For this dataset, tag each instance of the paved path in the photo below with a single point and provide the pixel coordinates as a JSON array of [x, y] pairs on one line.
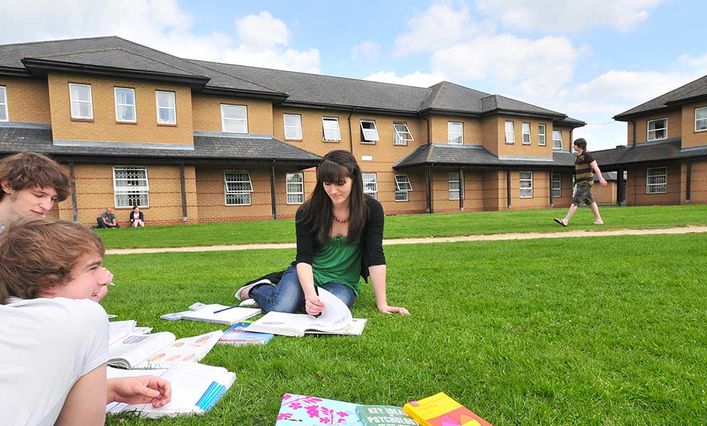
[[429, 240]]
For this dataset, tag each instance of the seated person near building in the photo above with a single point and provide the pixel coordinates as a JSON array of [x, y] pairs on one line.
[[107, 219], [137, 218], [54, 343]]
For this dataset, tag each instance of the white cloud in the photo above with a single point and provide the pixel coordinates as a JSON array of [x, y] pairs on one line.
[[262, 30], [552, 16], [417, 78], [366, 50]]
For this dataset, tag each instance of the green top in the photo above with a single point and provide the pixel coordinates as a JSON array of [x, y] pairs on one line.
[[337, 261]]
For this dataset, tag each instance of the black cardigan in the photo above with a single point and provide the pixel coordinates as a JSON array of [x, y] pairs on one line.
[[371, 239]]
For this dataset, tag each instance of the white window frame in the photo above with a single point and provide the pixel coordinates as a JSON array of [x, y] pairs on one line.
[[369, 135], [510, 133], [234, 124], [372, 180], [454, 185], [541, 134], [241, 196], [126, 106], [294, 188], [660, 174], [525, 125], [555, 140], [455, 133], [656, 130], [556, 185], [527, 191], [77, 102], [401, 134], [402, 187], [331, 133], [127, 188], [172, 108], [293, 132], [4, 110], [702, 126]]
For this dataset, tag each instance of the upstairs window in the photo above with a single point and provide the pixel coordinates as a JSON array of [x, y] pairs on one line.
[[234, 118], [557, 139], [700, 119], [656, 180], [526, 184], [293, 127], [402, 187], [130, 187], [295, 188], [455, 133], [453, 180], [525, 129], [556, 185], [331, 129], [541, 134], [370, 184], [369, 133], [81, 101], [510, 132], [4, 116], [401, 134], [166, 107], [125, 105], [237, 187], [657, 129]]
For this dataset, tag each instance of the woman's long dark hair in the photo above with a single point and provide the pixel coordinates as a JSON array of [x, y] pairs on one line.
[[317, 212]]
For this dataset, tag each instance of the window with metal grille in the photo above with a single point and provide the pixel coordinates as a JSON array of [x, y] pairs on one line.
[[131, 187], [295, 188], [370, 184], [656, 180], [237, 187], [556, 185], [453, 180], [526, 184]]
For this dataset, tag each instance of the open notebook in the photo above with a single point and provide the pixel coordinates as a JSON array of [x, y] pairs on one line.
[[159, 350]]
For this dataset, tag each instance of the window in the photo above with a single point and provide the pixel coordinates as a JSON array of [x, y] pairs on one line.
[[81, 101], [556, 185], [510, 132], [526, 184], [4, 116], [370, 184], [455, 133], [331, 129], [525, 129], [657, 129], [401, 134], [369, 133], [700, 119], [453, 185], [125, 105], [656, 180], [130, 186], [295, 187], [293, 127], [557, 139], [234, 118], [166, 107], [541, 134], [237, 188], [402, 187]]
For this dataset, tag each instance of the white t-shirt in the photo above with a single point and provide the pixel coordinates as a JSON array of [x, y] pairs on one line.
[[46, 346]]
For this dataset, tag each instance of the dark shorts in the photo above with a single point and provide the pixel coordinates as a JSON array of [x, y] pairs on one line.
[[582, 194]]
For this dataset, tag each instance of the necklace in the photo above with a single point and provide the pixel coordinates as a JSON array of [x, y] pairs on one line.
[[341, 220]]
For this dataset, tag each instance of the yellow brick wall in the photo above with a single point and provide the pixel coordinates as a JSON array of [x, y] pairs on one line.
[[104, 127], [211, 197], [565, 198], [494, 190], [27, 99], [690, 137], [472, 129], [674, 125], [207, 113], [517, 149], [698, 184], [605, 194], [636, 187]]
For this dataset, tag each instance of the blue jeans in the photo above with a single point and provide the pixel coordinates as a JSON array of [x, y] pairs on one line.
[[287, 295]]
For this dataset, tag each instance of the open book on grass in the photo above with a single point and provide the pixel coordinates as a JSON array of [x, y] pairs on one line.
[[335, 319], [195, 389], [304, 410], [158, 350]]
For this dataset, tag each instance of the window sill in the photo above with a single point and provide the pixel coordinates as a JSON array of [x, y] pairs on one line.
[[82, 120], [167, 124]]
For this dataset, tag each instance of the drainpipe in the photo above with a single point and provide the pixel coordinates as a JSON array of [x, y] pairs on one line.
[[429, 130], [273, 198], [183, 187], [351, 129], [633, 126], [74, 201]]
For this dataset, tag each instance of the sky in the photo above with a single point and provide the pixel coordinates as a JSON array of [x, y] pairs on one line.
[[589, 59]]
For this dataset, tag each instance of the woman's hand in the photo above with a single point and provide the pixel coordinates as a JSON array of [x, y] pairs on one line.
[[140, 390], [313, 305], [393, 310]]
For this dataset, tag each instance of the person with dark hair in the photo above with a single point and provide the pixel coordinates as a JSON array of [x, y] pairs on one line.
[[339, 240], [54, 340], [584, 178], [137, 218]]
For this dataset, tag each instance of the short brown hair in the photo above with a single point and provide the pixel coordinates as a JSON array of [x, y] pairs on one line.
[[29, 169], [38, 253], [581, 143]]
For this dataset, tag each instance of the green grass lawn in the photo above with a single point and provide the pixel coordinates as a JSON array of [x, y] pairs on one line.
[[566, 331], [420, 225]]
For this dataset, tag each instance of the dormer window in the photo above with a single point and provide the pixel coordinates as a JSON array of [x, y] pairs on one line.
[[81, 101], [657, 129]]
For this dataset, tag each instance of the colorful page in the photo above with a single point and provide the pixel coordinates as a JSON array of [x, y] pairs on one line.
[[238, 335], [133, 349], [441, 410], [301, 410], [188, 349]]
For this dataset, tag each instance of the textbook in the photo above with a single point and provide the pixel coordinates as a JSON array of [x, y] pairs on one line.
[[239, 335], [196, 388], [221, 314], [119, 329], [383, 415], [306, 410], [159, 350], [335, 319], [441, 410]]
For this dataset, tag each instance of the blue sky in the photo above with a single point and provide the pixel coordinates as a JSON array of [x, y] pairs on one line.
[[590, 59]]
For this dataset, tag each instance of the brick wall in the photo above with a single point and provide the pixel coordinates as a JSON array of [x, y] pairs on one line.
[[27, 99]]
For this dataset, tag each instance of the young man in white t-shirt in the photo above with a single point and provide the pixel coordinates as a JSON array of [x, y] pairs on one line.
[[54, 344]]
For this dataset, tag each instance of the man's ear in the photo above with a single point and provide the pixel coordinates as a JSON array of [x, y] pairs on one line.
[[48, 292], [5, 184]]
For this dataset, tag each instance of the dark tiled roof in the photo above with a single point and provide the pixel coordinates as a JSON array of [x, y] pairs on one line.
[[474, 155], [693, 90], [570, 122], [503, 104], [446, 96], [647, 153]]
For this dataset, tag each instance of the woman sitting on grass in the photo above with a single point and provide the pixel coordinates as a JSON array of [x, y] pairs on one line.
[[54, 339], [339, 239]]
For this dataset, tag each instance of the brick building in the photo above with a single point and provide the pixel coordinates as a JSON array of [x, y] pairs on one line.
[[196, 141]]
